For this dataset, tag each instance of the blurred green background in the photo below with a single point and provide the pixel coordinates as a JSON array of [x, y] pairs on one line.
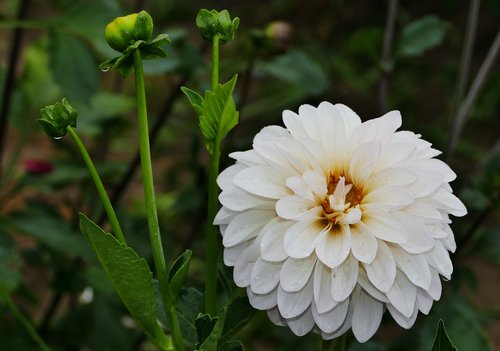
[[287, 53]]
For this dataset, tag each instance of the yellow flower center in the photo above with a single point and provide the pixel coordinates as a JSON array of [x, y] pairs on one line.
[[341, 204]]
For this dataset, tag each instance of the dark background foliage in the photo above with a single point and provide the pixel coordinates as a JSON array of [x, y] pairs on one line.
[[333, 52]]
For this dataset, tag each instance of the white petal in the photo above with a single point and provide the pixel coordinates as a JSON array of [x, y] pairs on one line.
[[240, 200], [248, 158], [224, 216], [367, 316], [265, 276], [380, 128], [439, 258], [344, 278], [243, 267], [382, 271], [350, 118], [295, 273], [302, 324], [332, 134], [301, 238], [292, 304], [403, 321], [419, 236], [309, 120], [369, 288], [231, 254], [294, 125], [395, 155], [451, 202], [272, 155], [263, 301], [363, 243], [384, 225], [333, 319], [363, 161], [316, 182], [435, 289], [348, 319], [424, 301], [391, 196], [246, 225], [262, 181], [293, 207], [414, 266], [275, 317], [272, 245], [225, 178], [334, 245], [391, 176], [322, 287], [402, 295]]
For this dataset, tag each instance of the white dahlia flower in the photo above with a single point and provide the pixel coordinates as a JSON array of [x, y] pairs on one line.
[[330, 220]]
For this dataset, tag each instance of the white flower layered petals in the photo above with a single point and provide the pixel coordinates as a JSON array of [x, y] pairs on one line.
[[329, 221]]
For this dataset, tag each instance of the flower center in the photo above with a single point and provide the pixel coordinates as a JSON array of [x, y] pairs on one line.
[[341, 204]]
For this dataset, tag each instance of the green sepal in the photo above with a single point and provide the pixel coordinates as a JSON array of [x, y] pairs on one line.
[[177, 274], [130, 276], [211, 23], [150, 50], [442, 341]]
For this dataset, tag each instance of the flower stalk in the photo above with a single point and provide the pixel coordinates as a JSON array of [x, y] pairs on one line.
[[213, 191], [113, 220], [149, 195]]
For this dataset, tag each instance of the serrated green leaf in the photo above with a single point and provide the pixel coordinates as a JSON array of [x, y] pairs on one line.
[[178, 273], [194, 98], [219, 113], [130, 276], [421, 35], [232, 346], [189, 304], [442, 341], [238, 314], [73, 66]]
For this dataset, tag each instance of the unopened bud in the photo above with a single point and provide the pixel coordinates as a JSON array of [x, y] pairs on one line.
[[213, 23], [56, 118], [125, 31], [278, 34]]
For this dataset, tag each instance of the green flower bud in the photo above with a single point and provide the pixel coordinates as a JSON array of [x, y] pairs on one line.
[[211, 23], [56, 118], [125, 31]]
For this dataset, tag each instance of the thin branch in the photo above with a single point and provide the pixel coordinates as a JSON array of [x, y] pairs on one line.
[[8, 88], [477, 84], [386, 54], [470, 36]]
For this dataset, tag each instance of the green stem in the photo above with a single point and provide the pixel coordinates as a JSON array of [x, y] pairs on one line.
[[212, 252], [113, 220], [215, 61], [149, 195], [26, 323]]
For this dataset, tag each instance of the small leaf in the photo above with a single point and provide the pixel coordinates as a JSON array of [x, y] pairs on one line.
[[209, 330], [219, 114], [421, 35], [204, 326], [442, 341], [130, 276], [238, 314], [189, 304], [194, 98], [178, 273]]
